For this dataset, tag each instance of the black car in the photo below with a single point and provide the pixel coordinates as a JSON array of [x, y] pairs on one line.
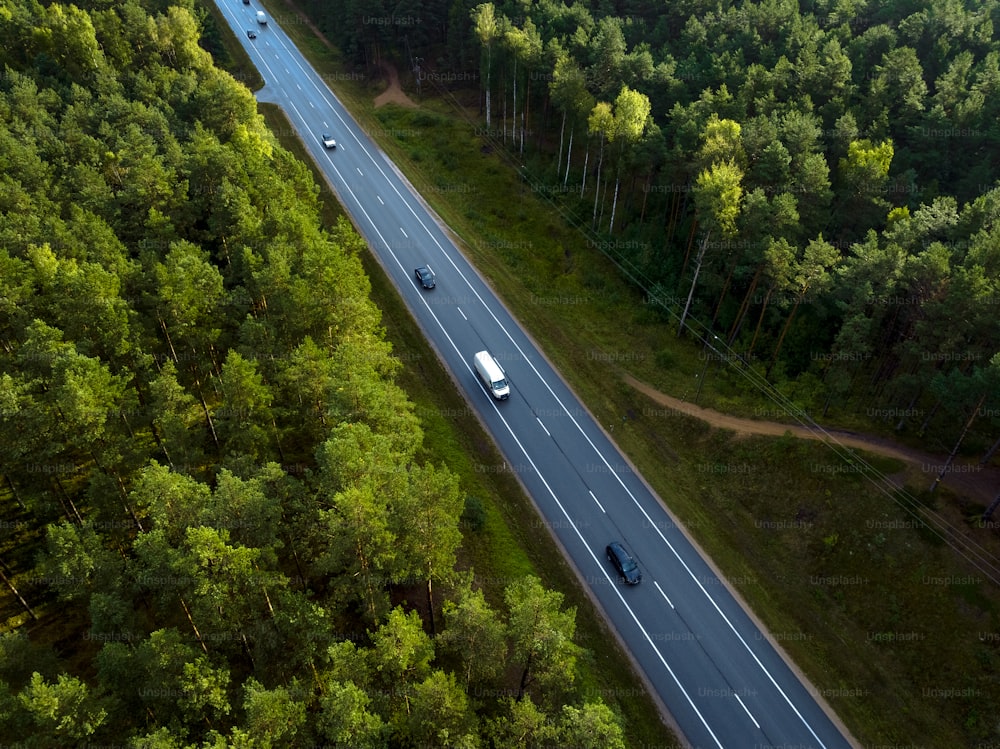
[[626, 566], [251, 34], [425, 276]]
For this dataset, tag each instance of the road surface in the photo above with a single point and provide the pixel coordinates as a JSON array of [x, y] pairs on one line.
[[718, 675]]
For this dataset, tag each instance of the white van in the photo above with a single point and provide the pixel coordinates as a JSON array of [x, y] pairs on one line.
[[261, 18], [492, 375]]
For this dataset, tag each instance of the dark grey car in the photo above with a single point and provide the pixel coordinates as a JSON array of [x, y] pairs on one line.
[[425, 276], [625, 565]]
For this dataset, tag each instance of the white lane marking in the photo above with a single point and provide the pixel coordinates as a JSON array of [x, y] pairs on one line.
[[401, 229], [462, 314], [665, 596], [598, 503], [748, 712], [542, 426], [379, 199]]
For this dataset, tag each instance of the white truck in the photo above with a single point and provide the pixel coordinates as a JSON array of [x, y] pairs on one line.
[[492, 375], [261, 18]]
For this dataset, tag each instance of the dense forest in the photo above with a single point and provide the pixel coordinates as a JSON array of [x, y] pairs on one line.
[[816, 179], [199, 427]]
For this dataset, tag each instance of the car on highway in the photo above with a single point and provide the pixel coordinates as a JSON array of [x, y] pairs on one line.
[[624, 564], [328, 141], [261, 18], [425, 276], [492, 375], [251, 34]]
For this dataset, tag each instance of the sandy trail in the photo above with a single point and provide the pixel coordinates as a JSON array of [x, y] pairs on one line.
[[394, 93], [967, 477]]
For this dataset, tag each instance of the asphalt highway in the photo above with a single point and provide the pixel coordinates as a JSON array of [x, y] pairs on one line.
[[719, 676]]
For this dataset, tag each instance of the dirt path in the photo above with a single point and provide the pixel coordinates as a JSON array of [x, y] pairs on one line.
[[979, 483], [394, 93]]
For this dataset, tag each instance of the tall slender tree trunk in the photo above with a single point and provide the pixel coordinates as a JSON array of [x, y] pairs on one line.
[[13, 491], [216, 369], [166, 333], [988, 512], [17, 595], [760, 321], [562, 133], [204, 408], [513, 119], [930, 414], [645, 199], [430, 604], [722, 295], [586, 160], [614, 205], [569, 153], [546, 112], [883, 366], [744, 307], [194, 627], [958, 444], [524, 110], [69, 500], [781, 338], [604, 199], [128, 425], [990, 453], [489, 63], [160, 444], [597, 189], [246, 649], [524, 678], [694, 282], [303, 581], [690, 244], [504, 123], [277, 439], [125, 504]]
